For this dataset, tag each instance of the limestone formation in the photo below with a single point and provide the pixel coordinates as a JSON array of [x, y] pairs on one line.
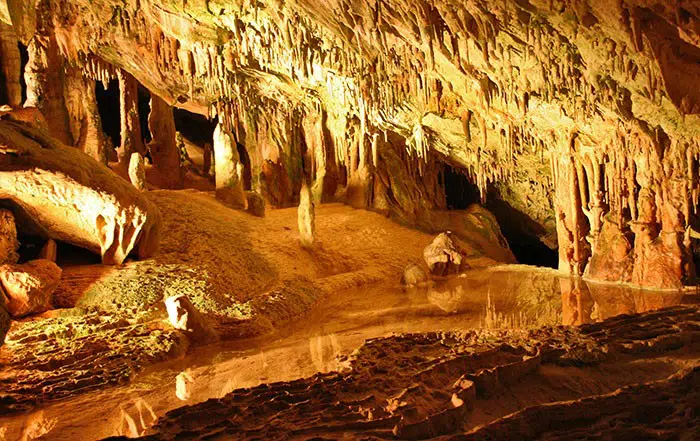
[[255, 204], [130, 124], [164, 152], [229, 184], [414, 275], [444, 256], [8, 238], [29, 287], [11, 66], [137, 171], [66, 195], [306, 218], [185, 317], [49, 251], [85, 121]]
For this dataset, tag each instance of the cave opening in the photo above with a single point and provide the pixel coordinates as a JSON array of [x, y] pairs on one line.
[[460, 191], [196, 131], [108, 106], [522, 233]]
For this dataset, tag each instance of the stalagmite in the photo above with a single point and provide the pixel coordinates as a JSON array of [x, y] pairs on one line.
[[137, 171], [85, 119], [164, 151], [11, 66], [228, 169], [306, 217], [130, 124]]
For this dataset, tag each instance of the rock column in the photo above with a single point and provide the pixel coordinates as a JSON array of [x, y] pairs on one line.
[[306, 217], [11, 65], [84, 116], [164, 152], [44, 77], [228, 169], [130, 125]]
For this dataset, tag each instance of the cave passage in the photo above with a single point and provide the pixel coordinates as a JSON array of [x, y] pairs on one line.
[[460, 192], [196, 128], [108, 106], [522, 233]]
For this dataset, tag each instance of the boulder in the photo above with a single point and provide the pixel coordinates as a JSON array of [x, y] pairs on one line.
[[414, 275], [185, 317], [255, 203], [137, 171], [62, 193], [444, 256], [8, 238], [29, 286]]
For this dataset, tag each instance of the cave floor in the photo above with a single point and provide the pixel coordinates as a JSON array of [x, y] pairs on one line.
[[505, 304]]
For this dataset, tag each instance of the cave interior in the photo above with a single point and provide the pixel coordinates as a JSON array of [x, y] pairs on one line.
[[349, 219]]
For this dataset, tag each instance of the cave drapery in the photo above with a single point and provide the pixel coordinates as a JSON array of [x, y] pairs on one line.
[[581, 114]]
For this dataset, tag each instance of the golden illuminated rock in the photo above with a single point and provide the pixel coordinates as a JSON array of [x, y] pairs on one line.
[[445, 256], [66, 195], [28, 287]]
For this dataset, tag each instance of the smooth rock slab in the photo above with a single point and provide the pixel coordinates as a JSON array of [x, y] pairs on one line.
[[29, 286], [66, 195]]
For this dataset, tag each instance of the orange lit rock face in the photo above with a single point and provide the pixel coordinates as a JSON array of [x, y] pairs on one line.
[[8, 238], [68, 196], [28, 287]]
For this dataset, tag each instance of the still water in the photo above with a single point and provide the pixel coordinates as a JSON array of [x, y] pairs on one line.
[[501, 297]]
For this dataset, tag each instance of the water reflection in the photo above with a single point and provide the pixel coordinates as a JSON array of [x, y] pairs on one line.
[[507, 297]]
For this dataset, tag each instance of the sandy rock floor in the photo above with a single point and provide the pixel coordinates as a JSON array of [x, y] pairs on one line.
[[246, 275]]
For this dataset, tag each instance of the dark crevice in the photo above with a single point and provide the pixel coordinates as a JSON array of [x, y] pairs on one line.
[[522, 233], [24, 58], [196, 128], [144, 109], [108, 106], [460, 191]]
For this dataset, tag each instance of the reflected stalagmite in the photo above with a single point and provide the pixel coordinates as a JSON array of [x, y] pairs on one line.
[[359, 192]]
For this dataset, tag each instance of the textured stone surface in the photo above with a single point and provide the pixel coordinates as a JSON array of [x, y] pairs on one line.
[[8, 237], [445, 256], [29, 286], [436, 385]]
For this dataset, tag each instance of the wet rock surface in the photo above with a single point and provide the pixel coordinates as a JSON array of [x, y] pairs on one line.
[[59, 357], [420, 386]]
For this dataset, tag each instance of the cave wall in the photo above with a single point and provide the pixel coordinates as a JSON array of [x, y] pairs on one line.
[[581, 114]]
